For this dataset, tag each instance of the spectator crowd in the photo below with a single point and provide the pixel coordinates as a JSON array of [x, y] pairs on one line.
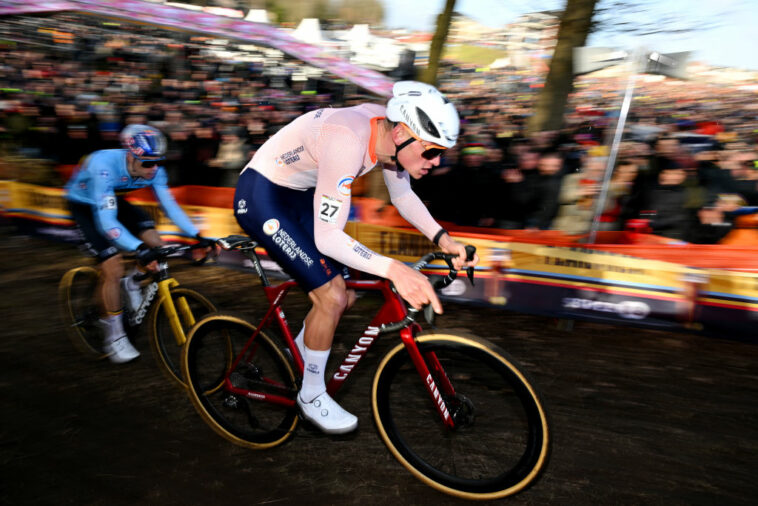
[[687, 162]]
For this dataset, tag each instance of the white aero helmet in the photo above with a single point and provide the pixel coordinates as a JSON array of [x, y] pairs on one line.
[[426, 111]]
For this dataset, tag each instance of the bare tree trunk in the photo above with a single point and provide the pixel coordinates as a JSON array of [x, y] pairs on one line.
[[572, 32], [438, 42]]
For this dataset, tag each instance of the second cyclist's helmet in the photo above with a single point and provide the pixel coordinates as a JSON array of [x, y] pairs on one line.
[[426, 111], [144, 141]]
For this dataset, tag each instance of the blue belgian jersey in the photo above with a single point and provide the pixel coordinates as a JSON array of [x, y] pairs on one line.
[[102, 175]]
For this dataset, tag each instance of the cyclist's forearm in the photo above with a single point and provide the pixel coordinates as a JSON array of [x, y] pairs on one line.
[[415, 212], [173, 211], [338, 245], [111, 228]]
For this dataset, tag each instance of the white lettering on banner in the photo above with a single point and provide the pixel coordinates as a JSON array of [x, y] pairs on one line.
[[356, 353], [626, 309], [437, 397]]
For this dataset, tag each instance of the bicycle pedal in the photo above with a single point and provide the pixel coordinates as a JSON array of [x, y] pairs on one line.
[[232, 401]]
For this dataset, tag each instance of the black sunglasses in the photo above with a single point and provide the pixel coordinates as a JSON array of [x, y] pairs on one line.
[[432, 153], [149, 164]]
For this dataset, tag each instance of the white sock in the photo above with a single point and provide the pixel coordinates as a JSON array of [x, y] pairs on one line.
[[131, 283], [313, 374], [114, 326], [300, 341]]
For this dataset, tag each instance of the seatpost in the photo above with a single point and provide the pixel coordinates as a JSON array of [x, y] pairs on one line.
[[253, 257]]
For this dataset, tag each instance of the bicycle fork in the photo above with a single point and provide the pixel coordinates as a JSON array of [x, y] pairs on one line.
[[175, 308], [436, 381]]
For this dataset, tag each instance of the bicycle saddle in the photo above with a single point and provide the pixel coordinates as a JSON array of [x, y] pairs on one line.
[[236, 242]]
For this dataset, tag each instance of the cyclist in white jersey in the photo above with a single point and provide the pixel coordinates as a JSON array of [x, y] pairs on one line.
[[294, 198]]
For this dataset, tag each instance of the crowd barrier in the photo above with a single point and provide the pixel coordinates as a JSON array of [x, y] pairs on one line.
[[639, 279]]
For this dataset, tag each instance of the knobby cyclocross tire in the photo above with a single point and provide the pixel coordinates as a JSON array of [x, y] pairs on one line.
[[166, 349], [76, 293], [501, 442], [212, 348]]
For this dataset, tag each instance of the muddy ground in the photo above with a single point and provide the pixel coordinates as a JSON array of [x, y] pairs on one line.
[[638, 416]]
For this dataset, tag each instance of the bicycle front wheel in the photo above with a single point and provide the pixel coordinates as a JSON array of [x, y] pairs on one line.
[[76, 293], [190, 306], [243, 388], [500, 442]]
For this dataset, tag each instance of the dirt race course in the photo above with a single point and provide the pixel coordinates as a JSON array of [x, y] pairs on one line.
[[638, 416]]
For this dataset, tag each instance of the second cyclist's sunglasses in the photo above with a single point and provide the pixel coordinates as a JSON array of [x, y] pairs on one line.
[[149, 163], [431, 150]]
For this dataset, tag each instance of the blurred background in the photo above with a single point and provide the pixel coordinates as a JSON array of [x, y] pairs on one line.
[[219, 77]]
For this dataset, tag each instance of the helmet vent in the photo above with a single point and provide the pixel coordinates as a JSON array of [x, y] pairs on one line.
[[427, 124]]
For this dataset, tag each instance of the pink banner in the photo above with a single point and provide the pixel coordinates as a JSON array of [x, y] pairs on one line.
[[8, 7], [221, 26]]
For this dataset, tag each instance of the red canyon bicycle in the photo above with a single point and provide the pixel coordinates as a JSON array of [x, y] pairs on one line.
[[454, 409]]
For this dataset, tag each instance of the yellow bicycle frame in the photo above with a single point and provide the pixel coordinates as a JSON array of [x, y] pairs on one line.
[[173, 311]]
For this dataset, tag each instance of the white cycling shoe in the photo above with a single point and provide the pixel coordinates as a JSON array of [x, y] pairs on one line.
[[327, 415], [133, 297], [120, 350]]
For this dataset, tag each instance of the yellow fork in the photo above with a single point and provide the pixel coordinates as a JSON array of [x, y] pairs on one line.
[[174, 310]]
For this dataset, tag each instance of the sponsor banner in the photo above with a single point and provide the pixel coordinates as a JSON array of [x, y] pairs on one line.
[[5, 195], [567, 282], [34, 202], [48, 206], [8, 7], [582, 283]]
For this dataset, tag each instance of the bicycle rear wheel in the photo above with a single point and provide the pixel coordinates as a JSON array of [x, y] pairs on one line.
[[190, 306], [252, 403], [501, 441], [76, 293]]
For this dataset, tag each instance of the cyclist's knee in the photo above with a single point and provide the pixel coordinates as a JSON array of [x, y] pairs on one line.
[[331, 297], [351, 296], [151, 237]]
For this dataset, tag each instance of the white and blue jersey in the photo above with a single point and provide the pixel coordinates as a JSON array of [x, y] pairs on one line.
[[102, 176]]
